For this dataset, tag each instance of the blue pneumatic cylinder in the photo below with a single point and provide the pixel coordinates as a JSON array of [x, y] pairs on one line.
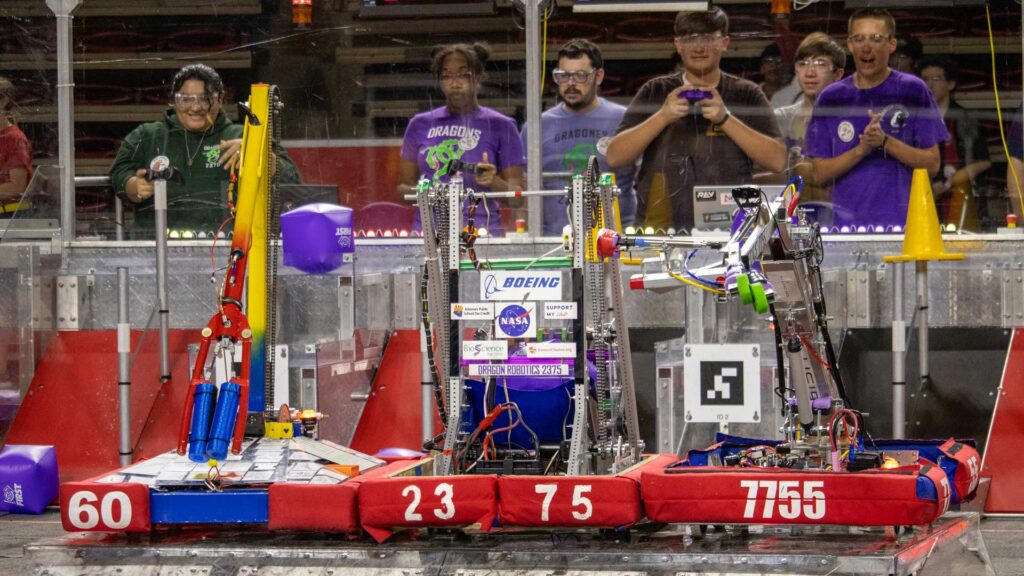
[[202, 411], [223, 427]]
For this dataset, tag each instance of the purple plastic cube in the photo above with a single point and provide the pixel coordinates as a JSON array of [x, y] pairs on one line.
[[28, 478]]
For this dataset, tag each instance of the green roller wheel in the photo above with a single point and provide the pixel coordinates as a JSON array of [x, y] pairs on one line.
[[743, 287], [760, 299]]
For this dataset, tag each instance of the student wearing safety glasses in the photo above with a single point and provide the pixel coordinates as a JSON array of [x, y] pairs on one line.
[[201, 142], [870, 130], [819, 62], [701, 126], [578, 127]]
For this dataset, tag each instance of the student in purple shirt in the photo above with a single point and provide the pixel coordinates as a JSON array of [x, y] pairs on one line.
[[869, 131], [463, 130]]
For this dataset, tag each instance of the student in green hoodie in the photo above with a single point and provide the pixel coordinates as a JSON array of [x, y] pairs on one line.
[[201, 142]]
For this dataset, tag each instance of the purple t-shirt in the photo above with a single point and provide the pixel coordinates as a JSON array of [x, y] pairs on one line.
[[876, 191], [433, 139]]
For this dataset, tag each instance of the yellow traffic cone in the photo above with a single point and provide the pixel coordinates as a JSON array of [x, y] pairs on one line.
[[922, 238]]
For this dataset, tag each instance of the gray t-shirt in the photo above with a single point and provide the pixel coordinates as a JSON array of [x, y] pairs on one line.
[[691, 151]]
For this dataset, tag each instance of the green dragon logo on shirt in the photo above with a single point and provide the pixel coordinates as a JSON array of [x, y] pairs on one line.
[[212, 156], [439, 158], [575, 160]]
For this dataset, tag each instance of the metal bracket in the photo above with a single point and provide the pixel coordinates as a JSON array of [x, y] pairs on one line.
[[858, 298], [71, 303], [1012, 298]]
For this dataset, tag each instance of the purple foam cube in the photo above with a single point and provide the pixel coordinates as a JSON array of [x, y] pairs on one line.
[[28, 478], [316, 237]]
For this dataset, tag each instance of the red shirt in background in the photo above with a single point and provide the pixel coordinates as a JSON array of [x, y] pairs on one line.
[[15, 152]]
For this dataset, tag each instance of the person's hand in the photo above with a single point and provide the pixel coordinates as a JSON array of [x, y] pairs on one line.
[[143, 188], [873, 135], [485, 172], [674, 106], [713, 109], [230, 150], [940, 186]]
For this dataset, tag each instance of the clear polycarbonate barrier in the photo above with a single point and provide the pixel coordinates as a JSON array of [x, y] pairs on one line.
[[352, 76]]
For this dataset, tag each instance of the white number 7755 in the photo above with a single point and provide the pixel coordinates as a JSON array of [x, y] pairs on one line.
[[785, 495]]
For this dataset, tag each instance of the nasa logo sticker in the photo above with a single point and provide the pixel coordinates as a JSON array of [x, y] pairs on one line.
[[516, 321], [602, 145], [845, 131]]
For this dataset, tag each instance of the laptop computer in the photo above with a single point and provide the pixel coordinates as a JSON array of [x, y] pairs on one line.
[[713, 206]]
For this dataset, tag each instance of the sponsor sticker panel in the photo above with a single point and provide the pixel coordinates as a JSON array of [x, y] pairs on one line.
[[519, 286], [560, 311]]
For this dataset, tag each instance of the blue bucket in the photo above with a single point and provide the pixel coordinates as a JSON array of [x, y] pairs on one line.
[[546, 404]]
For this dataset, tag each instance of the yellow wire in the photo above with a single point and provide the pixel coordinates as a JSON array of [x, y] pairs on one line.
[[792, 187], [999, 108], [686, 280]]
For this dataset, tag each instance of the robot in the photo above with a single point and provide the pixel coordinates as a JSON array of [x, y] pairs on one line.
[[775, 266], [595, 429]]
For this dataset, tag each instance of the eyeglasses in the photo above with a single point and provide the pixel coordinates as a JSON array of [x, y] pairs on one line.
[[456, 77], [875, 39], [189, 100], [816, 63], [564, 76], [699, 39]]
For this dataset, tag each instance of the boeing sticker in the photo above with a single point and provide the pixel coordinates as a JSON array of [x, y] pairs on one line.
[[516, 321], [520, 286]]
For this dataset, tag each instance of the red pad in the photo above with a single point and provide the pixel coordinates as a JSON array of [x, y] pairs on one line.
[[720, 495], [965, 480], [321, 507], [594, 501], [1002, 450], [427, 501], [90, 506], [563, 501]]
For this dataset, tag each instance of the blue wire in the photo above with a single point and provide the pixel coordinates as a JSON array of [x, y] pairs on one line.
[[686, 268], [799, 180]]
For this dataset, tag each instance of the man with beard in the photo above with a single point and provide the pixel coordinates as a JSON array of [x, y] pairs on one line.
[[870, 130], [578, 128], [701, 126]]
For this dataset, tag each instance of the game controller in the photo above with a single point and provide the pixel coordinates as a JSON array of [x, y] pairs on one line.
[[457, 165], [695, 95]]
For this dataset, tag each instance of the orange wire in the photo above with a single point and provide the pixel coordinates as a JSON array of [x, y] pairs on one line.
[[812, 353]]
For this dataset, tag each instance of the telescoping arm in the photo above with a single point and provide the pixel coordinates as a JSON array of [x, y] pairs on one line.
[[230, 322]]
